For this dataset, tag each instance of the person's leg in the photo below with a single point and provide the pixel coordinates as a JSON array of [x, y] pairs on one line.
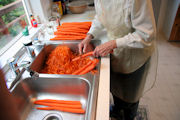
[[131, 110], [117, 109], [124, 110]]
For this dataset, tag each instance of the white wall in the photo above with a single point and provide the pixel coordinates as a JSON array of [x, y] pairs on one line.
[[40, 8], [156, 7], [167, 16], [46, 7]]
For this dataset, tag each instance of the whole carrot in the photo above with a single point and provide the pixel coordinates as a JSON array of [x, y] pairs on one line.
[[63, 32], [59, 101], [81, 69], [90, 67], [81, 111], [68, 38], [58, 105], [77, 22], [70, 31], [84, 55]]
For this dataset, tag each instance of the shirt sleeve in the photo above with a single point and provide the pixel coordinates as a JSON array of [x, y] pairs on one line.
[[142, 18], [96, 27]]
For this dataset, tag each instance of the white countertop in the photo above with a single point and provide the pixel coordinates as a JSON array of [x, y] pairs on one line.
[[102, 111]]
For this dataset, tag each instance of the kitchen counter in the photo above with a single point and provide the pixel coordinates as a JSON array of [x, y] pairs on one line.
[[102, 111]]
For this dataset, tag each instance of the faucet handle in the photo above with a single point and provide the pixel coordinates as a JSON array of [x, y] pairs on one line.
[[13, 65]]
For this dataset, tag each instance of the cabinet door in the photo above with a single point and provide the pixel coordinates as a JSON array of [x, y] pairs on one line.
[[175, 32]]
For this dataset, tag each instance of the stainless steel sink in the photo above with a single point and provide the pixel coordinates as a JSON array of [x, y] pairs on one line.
[[83, 88], [39, 61]]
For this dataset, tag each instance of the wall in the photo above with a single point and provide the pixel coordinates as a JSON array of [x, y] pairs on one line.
[[156, 7], [167, 16], [40, 8], [46, 8]]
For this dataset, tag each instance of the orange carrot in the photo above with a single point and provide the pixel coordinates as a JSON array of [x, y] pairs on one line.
[[62, 109], [68, 38], [81, 69], [58, 105], [59, 61], [59, 101], [90, 67], [77, 26], [68, 33], [84, 55], [74, 28], [63, 32], [66, 24], [72, 31], [77, 23], [94, 71]]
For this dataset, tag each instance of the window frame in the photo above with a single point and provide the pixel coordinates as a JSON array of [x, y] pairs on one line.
[[16, 38]]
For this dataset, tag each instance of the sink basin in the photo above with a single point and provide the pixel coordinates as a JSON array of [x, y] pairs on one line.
[[40, 60], [52, 87], [83, 88]]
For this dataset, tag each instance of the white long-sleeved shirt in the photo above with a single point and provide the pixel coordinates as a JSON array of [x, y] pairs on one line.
[[131, 23]]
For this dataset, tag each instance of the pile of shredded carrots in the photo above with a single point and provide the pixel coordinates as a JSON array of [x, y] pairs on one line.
[[60, 61], [72, 31]]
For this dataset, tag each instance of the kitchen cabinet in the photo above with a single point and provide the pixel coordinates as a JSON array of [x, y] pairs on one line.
[[175, 32]]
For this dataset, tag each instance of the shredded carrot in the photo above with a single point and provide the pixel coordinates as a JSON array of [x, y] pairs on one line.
[[60, 61]]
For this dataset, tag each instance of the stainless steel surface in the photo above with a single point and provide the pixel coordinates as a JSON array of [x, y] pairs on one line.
[[83, 88], [30, 51], [13, 66], [29, 48]]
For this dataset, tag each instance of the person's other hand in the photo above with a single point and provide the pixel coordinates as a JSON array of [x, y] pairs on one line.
[[84, 45], [104, 49]]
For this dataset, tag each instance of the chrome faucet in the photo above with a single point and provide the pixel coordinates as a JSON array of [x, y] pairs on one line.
[[28, 47], [25, 65], [15, 67]]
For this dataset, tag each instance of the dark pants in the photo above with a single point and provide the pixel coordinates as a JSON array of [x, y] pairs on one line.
[[127, 87], [124, 110]]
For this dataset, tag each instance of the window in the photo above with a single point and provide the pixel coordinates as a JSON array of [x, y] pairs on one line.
[[12, 20]]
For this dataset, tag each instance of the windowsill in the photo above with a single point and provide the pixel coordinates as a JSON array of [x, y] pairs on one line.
[[15, 47]]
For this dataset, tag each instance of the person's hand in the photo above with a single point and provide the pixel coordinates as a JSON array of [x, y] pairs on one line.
[[104, 49], [84, 46]]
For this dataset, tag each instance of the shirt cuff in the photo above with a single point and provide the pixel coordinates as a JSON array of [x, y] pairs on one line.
[[120, 42], [93, 32]]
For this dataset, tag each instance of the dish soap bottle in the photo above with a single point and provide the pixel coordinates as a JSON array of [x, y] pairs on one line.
[[33, 21]]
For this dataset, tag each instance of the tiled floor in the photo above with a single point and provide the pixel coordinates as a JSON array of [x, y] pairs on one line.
[[163, 100]]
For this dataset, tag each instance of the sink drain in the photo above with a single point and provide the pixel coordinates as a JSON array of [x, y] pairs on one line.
[[53, 116]]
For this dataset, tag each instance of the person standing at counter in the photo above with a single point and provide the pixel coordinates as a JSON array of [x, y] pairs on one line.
[[131, 31]]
